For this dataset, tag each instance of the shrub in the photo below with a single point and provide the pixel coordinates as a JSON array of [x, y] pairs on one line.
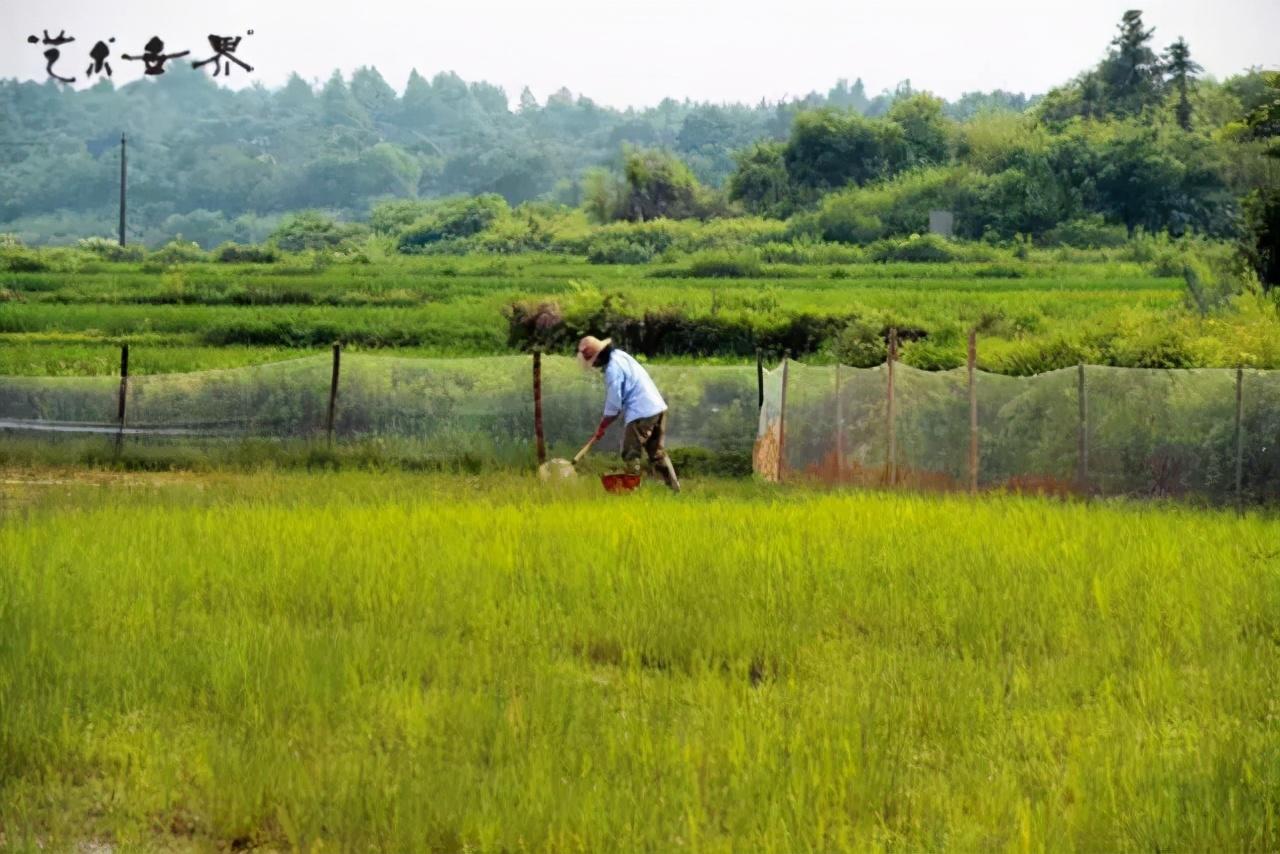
[[999, 271], [614, 249], [1091, 232], [1153, 347], [311, 230], [804, 252], [1210, 284], [235, 253], [917, 247], [178, 251], [394, 215], [453, 219], [724, 265], [932, 355], [533, 325], [18, 259], [1038, 357], [111, 250], [861, 345], [894, 208]]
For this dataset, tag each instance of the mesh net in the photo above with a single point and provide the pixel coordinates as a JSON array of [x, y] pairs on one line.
[[1141, 433], [478, 407], [1151, 433]]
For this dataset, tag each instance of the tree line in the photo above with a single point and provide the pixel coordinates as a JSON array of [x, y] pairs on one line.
[[1140, 141]]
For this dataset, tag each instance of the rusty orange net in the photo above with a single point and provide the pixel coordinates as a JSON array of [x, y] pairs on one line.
[[1085, 430]]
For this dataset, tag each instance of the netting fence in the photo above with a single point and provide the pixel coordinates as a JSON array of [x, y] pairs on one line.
[[437, 408], [1209, 434]]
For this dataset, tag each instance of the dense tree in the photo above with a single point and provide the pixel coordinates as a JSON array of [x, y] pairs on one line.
[[1260, 237], [226, 164], [761, 182], [1132, 71], [660, 185], [829, 148], [1182, 72], [926, 132], [850, 97]]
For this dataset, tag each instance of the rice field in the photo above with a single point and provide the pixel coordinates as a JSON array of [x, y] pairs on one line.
[[71, 321], [391, 661]]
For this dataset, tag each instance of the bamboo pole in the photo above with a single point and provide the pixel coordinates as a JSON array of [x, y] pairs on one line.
[[539, 438], [124, 393], [840, 473], [333, 391], [1240, 441], [782, 420], [973, 412], [891, 425], [759, 379], [1082, 432]]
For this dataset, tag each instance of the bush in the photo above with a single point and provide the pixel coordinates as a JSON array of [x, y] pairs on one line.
[[235, 253], [312, 230], [613, 249], [178, 251], [724, 265], [1039, 357], [533, 325], [1154, 347], [394, 215], [1086, 233], [455, 219], [803, 252], [110, 250], [659, 236], [894, 208], [17, 259], [861, 345], [917, 248], [932, 355]]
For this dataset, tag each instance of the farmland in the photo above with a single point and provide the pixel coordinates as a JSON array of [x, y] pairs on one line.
[[1033, 314], [356, 660]]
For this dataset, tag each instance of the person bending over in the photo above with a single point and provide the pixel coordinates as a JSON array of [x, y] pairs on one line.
[[631, 394]]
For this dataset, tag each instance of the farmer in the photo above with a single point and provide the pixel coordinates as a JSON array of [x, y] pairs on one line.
[[630, 392]]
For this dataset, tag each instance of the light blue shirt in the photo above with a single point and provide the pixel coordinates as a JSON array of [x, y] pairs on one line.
[[629, 390]]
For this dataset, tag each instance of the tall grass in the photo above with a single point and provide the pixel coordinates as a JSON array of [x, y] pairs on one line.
[[418, 663]]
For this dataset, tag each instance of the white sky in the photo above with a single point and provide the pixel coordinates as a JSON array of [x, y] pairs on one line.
[[638, 52]]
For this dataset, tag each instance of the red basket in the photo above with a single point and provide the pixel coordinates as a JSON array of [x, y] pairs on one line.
[[620, 482]]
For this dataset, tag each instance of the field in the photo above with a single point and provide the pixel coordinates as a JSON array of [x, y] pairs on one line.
[[1032, 315], [428, 662]]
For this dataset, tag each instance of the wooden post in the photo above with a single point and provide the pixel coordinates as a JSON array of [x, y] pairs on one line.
[[538, 437], [782, 421], [891, 454], [333, 389], [973, 412], [124, 393], [759, 379], [839, 428], [1240, 441], [124, 160], [1082, 432]]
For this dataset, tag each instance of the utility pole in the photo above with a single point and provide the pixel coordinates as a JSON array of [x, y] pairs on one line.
[[124, 166]]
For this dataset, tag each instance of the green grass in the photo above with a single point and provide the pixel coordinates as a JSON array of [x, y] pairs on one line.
[[424, 662], [207, 315]]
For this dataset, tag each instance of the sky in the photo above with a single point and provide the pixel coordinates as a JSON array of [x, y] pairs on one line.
[[637, 53]]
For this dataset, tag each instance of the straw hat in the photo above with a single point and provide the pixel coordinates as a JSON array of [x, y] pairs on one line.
[[590, 348]]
